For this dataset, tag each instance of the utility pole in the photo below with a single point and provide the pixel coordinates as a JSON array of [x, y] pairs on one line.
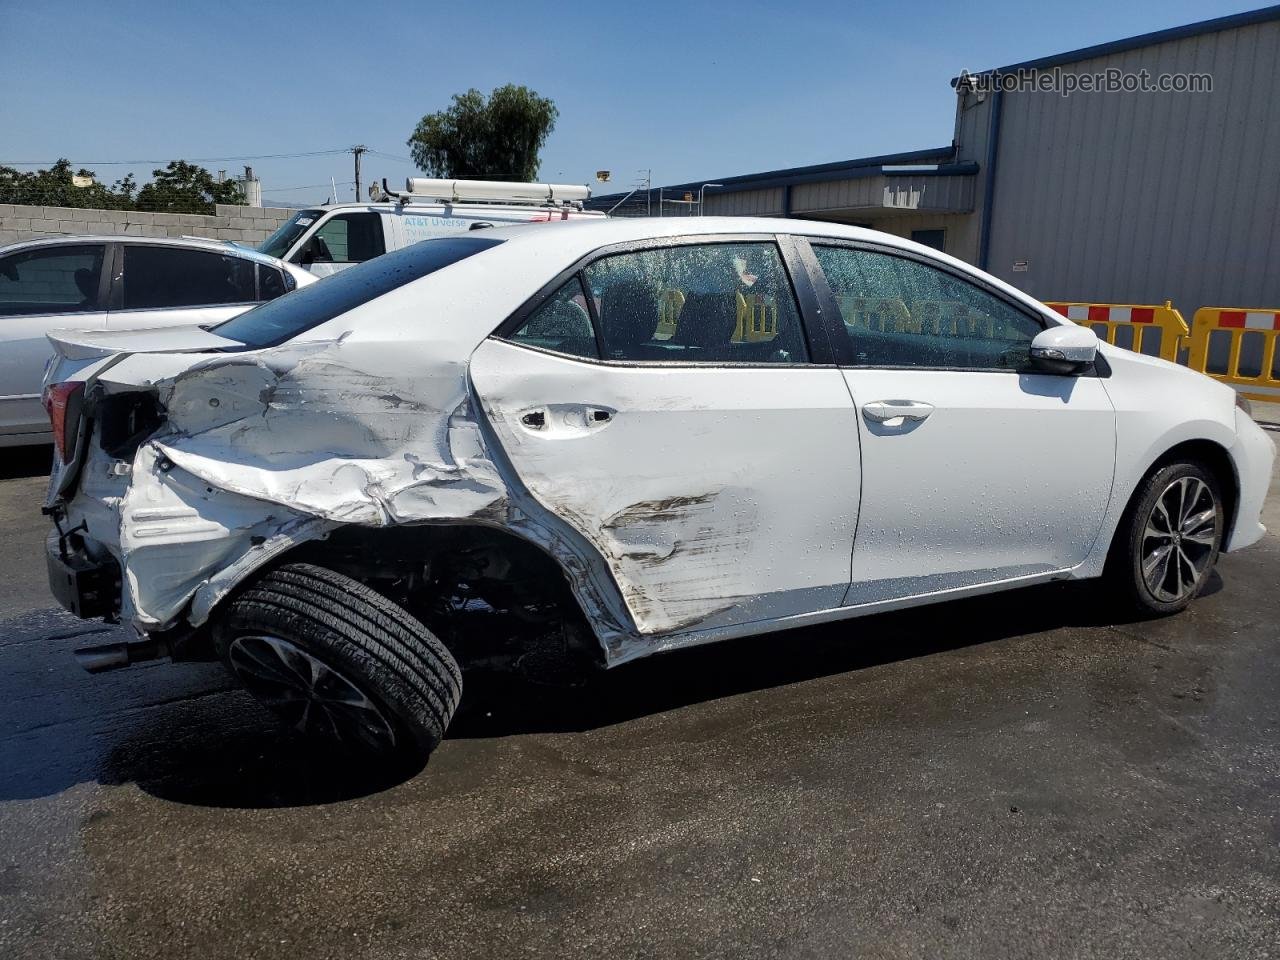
[[357, 150]]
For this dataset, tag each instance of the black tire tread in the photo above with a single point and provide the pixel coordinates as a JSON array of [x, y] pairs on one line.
[[340, 619], [1121, 574], [397, 640]]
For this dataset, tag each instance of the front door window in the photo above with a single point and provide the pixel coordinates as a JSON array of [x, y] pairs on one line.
[[62, 279]]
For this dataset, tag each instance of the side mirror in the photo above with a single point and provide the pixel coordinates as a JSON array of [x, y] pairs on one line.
[[307, 256], [1066, 349]]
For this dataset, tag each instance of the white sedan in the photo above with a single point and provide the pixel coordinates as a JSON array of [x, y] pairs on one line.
[[115, 283], [625, 436]]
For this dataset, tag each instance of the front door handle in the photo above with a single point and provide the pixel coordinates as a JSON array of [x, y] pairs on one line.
[[884, 411]]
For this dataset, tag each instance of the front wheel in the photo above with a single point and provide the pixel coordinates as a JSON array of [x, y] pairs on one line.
[[1169, 540], [340, 661]]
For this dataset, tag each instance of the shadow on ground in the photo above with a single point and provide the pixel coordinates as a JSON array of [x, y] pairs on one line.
[[225, 751], [18, 462]]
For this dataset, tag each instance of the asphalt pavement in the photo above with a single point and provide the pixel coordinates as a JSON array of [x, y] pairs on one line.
[[1011, 776]]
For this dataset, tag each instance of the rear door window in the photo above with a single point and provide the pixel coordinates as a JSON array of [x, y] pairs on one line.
[[271, 282], [51, 279], [709, 303], [561, 324], [157, 277]]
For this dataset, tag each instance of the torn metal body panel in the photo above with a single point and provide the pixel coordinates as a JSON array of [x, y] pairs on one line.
[[262, 452], [731, 500]]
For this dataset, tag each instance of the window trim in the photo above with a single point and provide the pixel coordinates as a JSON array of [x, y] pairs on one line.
[[118, 280], [806, 299], [841, 346], [102, 300], [577, 279]]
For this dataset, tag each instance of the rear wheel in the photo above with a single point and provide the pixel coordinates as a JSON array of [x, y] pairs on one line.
[[1170, 538], [339, 661]]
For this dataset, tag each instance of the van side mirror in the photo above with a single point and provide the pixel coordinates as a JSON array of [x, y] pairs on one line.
[[1067, 349]]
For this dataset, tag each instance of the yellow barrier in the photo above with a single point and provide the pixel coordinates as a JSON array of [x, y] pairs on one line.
[[951, 318], [1137, 321], [1238, 347], [757, 320], [669, 307], [876, 313]]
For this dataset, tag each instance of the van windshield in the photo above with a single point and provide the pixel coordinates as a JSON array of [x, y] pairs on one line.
[[278, 244], [282, 319]]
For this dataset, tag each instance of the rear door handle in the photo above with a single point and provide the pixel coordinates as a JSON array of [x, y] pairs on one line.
[[883, 411]]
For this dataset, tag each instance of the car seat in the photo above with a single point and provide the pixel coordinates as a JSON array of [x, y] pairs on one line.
[[629, 316]]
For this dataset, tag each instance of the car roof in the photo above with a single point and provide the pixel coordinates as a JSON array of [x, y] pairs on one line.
[[574, 238], [190, 243], [483, 288]]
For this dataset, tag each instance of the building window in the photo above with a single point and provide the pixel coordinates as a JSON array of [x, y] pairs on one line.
[[930, 238]]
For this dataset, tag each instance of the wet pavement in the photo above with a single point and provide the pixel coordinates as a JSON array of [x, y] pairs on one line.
[[1006, 776]]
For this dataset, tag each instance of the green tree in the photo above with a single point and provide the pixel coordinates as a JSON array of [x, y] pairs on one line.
[[183, 187], [54, 187], [497, 138]]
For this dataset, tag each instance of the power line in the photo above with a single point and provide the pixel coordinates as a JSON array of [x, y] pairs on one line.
[[106, 163], [389, 156], [308, 186]]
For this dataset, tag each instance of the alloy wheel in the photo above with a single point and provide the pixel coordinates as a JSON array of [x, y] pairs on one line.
[[1179, 539], [309, 693]]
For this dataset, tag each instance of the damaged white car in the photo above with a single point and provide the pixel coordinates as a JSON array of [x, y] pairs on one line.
[[625, 436]]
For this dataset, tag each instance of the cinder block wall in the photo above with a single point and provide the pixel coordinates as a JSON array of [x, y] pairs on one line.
[[247, 225]]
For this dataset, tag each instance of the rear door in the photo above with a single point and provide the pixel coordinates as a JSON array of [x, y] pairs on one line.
[[166, 284], [976, 468], [667, 402], [41, 289]]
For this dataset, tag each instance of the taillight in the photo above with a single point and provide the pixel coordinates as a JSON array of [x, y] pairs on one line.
[[57, 398]]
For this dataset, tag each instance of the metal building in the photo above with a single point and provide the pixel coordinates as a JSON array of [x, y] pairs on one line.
[[1127, 197]]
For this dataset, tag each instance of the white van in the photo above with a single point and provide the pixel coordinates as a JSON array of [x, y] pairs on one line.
[[325, 240]]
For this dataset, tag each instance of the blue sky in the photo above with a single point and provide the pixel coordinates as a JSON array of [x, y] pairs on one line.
[[691, 90]]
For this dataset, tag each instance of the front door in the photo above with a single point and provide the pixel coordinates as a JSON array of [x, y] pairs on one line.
[[41, 289], [687, 437], [975, 469], [342, 241]]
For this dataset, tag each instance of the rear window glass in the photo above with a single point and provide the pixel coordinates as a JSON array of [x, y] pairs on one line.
[[285, 318], [157, 277]]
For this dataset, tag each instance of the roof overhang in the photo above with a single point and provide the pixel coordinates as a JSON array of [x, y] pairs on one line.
[[935, 161], [948, 188]]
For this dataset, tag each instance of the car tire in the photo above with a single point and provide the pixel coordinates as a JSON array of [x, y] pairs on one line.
[[1168, 540], [339, 660]]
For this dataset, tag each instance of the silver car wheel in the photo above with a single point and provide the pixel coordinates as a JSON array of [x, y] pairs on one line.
[[309, 693], [1179, 539]]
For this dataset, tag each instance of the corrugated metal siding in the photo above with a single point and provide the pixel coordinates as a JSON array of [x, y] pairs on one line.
[[858, 194], [744, 203], [872, 194], [1144, 197], [948, 194]]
